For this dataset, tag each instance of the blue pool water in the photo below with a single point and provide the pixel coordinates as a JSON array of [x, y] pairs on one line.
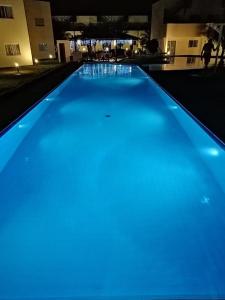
[[109, 188]]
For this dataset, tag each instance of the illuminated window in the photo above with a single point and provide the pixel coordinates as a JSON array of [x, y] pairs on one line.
[[193, 43], [191, 60], [6, 12], [39, 22], [171, 49], [12, 49], [43, 47]]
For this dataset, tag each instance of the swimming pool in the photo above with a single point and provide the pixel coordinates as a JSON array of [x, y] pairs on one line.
[[110, 189]]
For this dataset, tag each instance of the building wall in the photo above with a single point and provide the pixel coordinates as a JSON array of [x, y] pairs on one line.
[[183, 34], [41, 37], [138, 19], [158, 28], [183, 31], [15, 31], [86, 19]]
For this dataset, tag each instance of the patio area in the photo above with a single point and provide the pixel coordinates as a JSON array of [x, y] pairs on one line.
[[13, 78]]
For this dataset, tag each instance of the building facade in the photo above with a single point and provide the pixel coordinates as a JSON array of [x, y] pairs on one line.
[[26, 32], [14, 37], [181, 25], [39, 22], [134, 26]]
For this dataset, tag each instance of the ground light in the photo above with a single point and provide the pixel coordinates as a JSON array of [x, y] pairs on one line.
[[17, 68]]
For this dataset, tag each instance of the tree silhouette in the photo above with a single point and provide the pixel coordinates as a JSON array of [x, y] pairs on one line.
[[212, 33]]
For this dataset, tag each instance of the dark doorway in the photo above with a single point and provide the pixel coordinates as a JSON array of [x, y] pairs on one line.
[[62, 52]]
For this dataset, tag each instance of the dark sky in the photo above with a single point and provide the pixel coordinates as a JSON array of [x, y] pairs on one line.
[[68, 7]]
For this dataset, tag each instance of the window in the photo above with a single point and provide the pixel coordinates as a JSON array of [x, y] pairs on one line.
[[193, 43], [39, 22], [171, 50], [12, 49], [6, 12], [191, 60], [43, 47], [171, 47]]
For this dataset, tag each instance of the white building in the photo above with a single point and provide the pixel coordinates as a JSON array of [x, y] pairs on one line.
[[25, 32], [180, 25]]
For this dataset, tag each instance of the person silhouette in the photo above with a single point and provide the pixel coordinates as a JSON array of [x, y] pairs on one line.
[[206, 53]]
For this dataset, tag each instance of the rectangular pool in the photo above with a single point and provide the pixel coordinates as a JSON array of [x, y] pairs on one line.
[[108, 188]]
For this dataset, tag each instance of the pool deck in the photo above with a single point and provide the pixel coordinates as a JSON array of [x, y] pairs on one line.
[[20, 93], [12, 79], [201, 92]]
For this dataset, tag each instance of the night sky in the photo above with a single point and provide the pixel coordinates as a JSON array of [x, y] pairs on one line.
[[69, 7]]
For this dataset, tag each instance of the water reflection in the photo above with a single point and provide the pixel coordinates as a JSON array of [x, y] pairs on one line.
[[181, 63]]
